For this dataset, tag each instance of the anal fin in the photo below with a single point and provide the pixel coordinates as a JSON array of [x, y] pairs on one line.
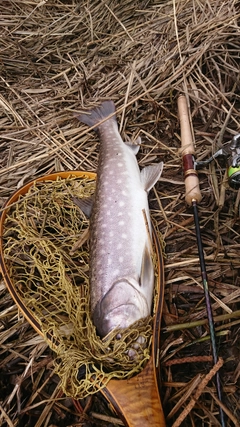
[[85, 204]]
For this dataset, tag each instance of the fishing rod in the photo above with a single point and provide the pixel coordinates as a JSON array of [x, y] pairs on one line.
[[193, 197]]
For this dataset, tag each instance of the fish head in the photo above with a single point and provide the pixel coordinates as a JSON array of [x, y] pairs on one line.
[[122, 306]]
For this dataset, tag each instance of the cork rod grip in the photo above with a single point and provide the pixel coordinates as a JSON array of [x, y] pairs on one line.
[[191, 178]]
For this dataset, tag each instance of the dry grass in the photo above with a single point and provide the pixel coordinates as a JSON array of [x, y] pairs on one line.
[[57, 57]]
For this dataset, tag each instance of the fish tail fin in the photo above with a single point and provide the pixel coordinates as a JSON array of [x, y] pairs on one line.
[[93, 117]]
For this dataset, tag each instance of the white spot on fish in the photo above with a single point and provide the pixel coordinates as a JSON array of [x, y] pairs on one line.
[[119, 246], [119, 181], [102, 252], [124, 236], [111, 233], [121, 223], [109, 261], [124, 193], [121, 259], [111, 172], [104, 225], [121, 204], [120, 213], [115, 272], [120, 164]]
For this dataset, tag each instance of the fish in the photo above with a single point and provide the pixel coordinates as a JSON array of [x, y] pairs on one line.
[[121, 272]]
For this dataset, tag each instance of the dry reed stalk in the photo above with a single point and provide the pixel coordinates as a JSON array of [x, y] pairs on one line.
[[57, 58]]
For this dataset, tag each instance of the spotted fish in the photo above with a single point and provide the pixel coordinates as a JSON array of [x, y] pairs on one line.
[[121, 267]]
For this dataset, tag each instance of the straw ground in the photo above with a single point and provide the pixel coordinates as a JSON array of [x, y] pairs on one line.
[[58, 57]]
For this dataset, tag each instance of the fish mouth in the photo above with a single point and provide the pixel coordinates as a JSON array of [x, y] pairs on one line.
[[122, 306]]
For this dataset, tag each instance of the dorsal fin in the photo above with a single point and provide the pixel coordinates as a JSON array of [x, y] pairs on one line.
[[150, 175]]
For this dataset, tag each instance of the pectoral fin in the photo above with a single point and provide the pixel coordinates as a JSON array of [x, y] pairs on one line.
[[150, 175], [147, 271], [85, 204]]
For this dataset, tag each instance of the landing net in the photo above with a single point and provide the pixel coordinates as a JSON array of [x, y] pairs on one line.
[[47, 258]]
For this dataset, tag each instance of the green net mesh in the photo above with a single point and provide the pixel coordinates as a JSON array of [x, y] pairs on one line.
[[46, 254]]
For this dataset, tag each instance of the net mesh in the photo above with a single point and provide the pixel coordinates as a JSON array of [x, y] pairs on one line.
[[46, 254]]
